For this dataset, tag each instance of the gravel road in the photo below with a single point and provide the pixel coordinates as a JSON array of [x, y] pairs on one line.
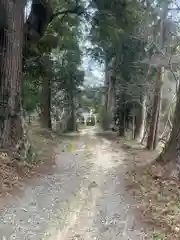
[[83, 199]]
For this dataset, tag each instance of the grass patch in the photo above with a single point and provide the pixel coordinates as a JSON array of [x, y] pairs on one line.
[[157, 236]]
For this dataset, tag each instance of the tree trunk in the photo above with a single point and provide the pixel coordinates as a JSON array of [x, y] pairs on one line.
[[154, 124], [111, 100], [11, 45], [109, 97], [133, 125], [122, 112], [140, 121], [172, 149], [45, 105], [29, 118], [105, 120], [121, 132], [71, 124]]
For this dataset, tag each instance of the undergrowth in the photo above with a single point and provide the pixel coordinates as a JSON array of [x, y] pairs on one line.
[[159, 197], [13, 172]]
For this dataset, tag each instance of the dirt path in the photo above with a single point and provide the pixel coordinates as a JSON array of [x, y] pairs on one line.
[[84, 198]]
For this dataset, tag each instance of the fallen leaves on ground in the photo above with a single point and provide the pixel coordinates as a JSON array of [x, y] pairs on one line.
[[159, 198], [8, 175], [13, 172]]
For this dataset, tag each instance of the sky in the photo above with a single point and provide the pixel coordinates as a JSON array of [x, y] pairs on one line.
[[94, 72]]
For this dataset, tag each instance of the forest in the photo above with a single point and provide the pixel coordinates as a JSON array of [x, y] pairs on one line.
[[42, 79]]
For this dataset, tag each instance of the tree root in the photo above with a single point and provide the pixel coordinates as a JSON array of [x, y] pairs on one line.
[[23, 150]]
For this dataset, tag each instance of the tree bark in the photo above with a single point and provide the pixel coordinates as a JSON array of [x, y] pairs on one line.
[[140, 121], [105, 121], [154, 124], [109, 97], [41, 15], [45, 104], [11, 46], [71, 124], [121, 118], [171, 151], [110, 100]]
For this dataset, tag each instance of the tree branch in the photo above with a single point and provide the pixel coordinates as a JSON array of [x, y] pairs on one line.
[[77, 10], [174, 9]]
